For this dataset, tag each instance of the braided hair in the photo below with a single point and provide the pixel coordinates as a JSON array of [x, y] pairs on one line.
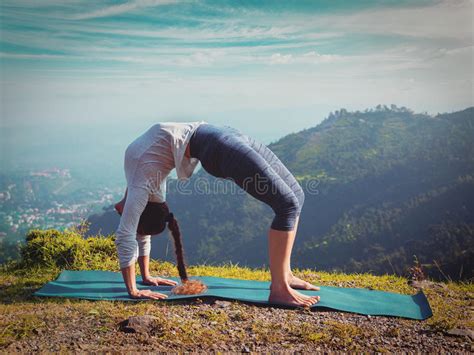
[[173, 226], [153, 221]]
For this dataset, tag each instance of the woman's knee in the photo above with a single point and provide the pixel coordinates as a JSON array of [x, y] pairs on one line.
[[299, 193], [286, 213]]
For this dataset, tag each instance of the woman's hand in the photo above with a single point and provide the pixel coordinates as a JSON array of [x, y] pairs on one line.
[[140, 294], [156, 281]]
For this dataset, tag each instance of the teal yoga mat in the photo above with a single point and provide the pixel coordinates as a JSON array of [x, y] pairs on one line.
[[106, 285]]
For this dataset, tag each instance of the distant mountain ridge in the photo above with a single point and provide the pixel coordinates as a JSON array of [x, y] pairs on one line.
[[390, 184]]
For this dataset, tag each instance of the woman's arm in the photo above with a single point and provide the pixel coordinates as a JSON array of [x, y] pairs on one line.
[[126, 242], [128, 274], [144, 262], [144, 247]]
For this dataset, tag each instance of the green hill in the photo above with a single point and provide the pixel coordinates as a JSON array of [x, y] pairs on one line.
[[381, 186], [393, 184]]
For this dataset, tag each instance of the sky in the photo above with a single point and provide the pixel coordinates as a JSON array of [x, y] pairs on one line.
[[110, 69]]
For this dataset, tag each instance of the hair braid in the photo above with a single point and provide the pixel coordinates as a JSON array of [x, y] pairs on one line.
[[188, 287], [178, 247]]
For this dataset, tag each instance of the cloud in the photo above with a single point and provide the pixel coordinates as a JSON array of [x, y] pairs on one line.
[[451, 19], [30, 56], [199, 59], [311, 57], [314, 58], [122, 8], [420, 56], [278, 58], [38, 4]]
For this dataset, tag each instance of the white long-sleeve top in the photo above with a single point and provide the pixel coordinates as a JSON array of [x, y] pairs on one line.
[[148, 161]]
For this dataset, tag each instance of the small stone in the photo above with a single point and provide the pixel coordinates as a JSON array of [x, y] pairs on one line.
[[138, 324], [222, 304], [424, 284], [461, 333], [245, 349]]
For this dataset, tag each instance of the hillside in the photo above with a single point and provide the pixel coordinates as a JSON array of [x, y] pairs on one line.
[[382, 186], [402, 186], [36, 324]]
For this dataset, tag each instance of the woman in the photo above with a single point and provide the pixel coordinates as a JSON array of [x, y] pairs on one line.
[[223, 152]]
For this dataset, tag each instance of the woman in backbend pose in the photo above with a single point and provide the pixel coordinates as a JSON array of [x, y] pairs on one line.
[[224, 152]]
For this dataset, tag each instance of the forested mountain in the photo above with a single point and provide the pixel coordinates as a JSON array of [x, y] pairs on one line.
[[381, 186]]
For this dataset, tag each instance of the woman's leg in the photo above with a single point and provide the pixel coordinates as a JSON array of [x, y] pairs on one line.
[[280, 244], [296, 282], [290, 180], [252, 172]]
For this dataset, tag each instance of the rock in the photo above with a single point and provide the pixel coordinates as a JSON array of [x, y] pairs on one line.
[[461, 333], [138, 324], [423, 284], [222, 304]]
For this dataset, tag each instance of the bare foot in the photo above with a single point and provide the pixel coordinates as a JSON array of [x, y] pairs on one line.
[[297, 283], [287, 296]]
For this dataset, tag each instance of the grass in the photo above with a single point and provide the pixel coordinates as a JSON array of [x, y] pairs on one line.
[[22, 327], [24, 316]]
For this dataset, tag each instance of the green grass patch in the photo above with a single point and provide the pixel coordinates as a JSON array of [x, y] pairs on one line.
[[22, 327], [67, 250]]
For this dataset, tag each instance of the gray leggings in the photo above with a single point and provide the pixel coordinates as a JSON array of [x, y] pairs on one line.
[[225, 152]]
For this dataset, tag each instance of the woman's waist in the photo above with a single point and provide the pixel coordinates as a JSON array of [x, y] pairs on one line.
[[210, 139]]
